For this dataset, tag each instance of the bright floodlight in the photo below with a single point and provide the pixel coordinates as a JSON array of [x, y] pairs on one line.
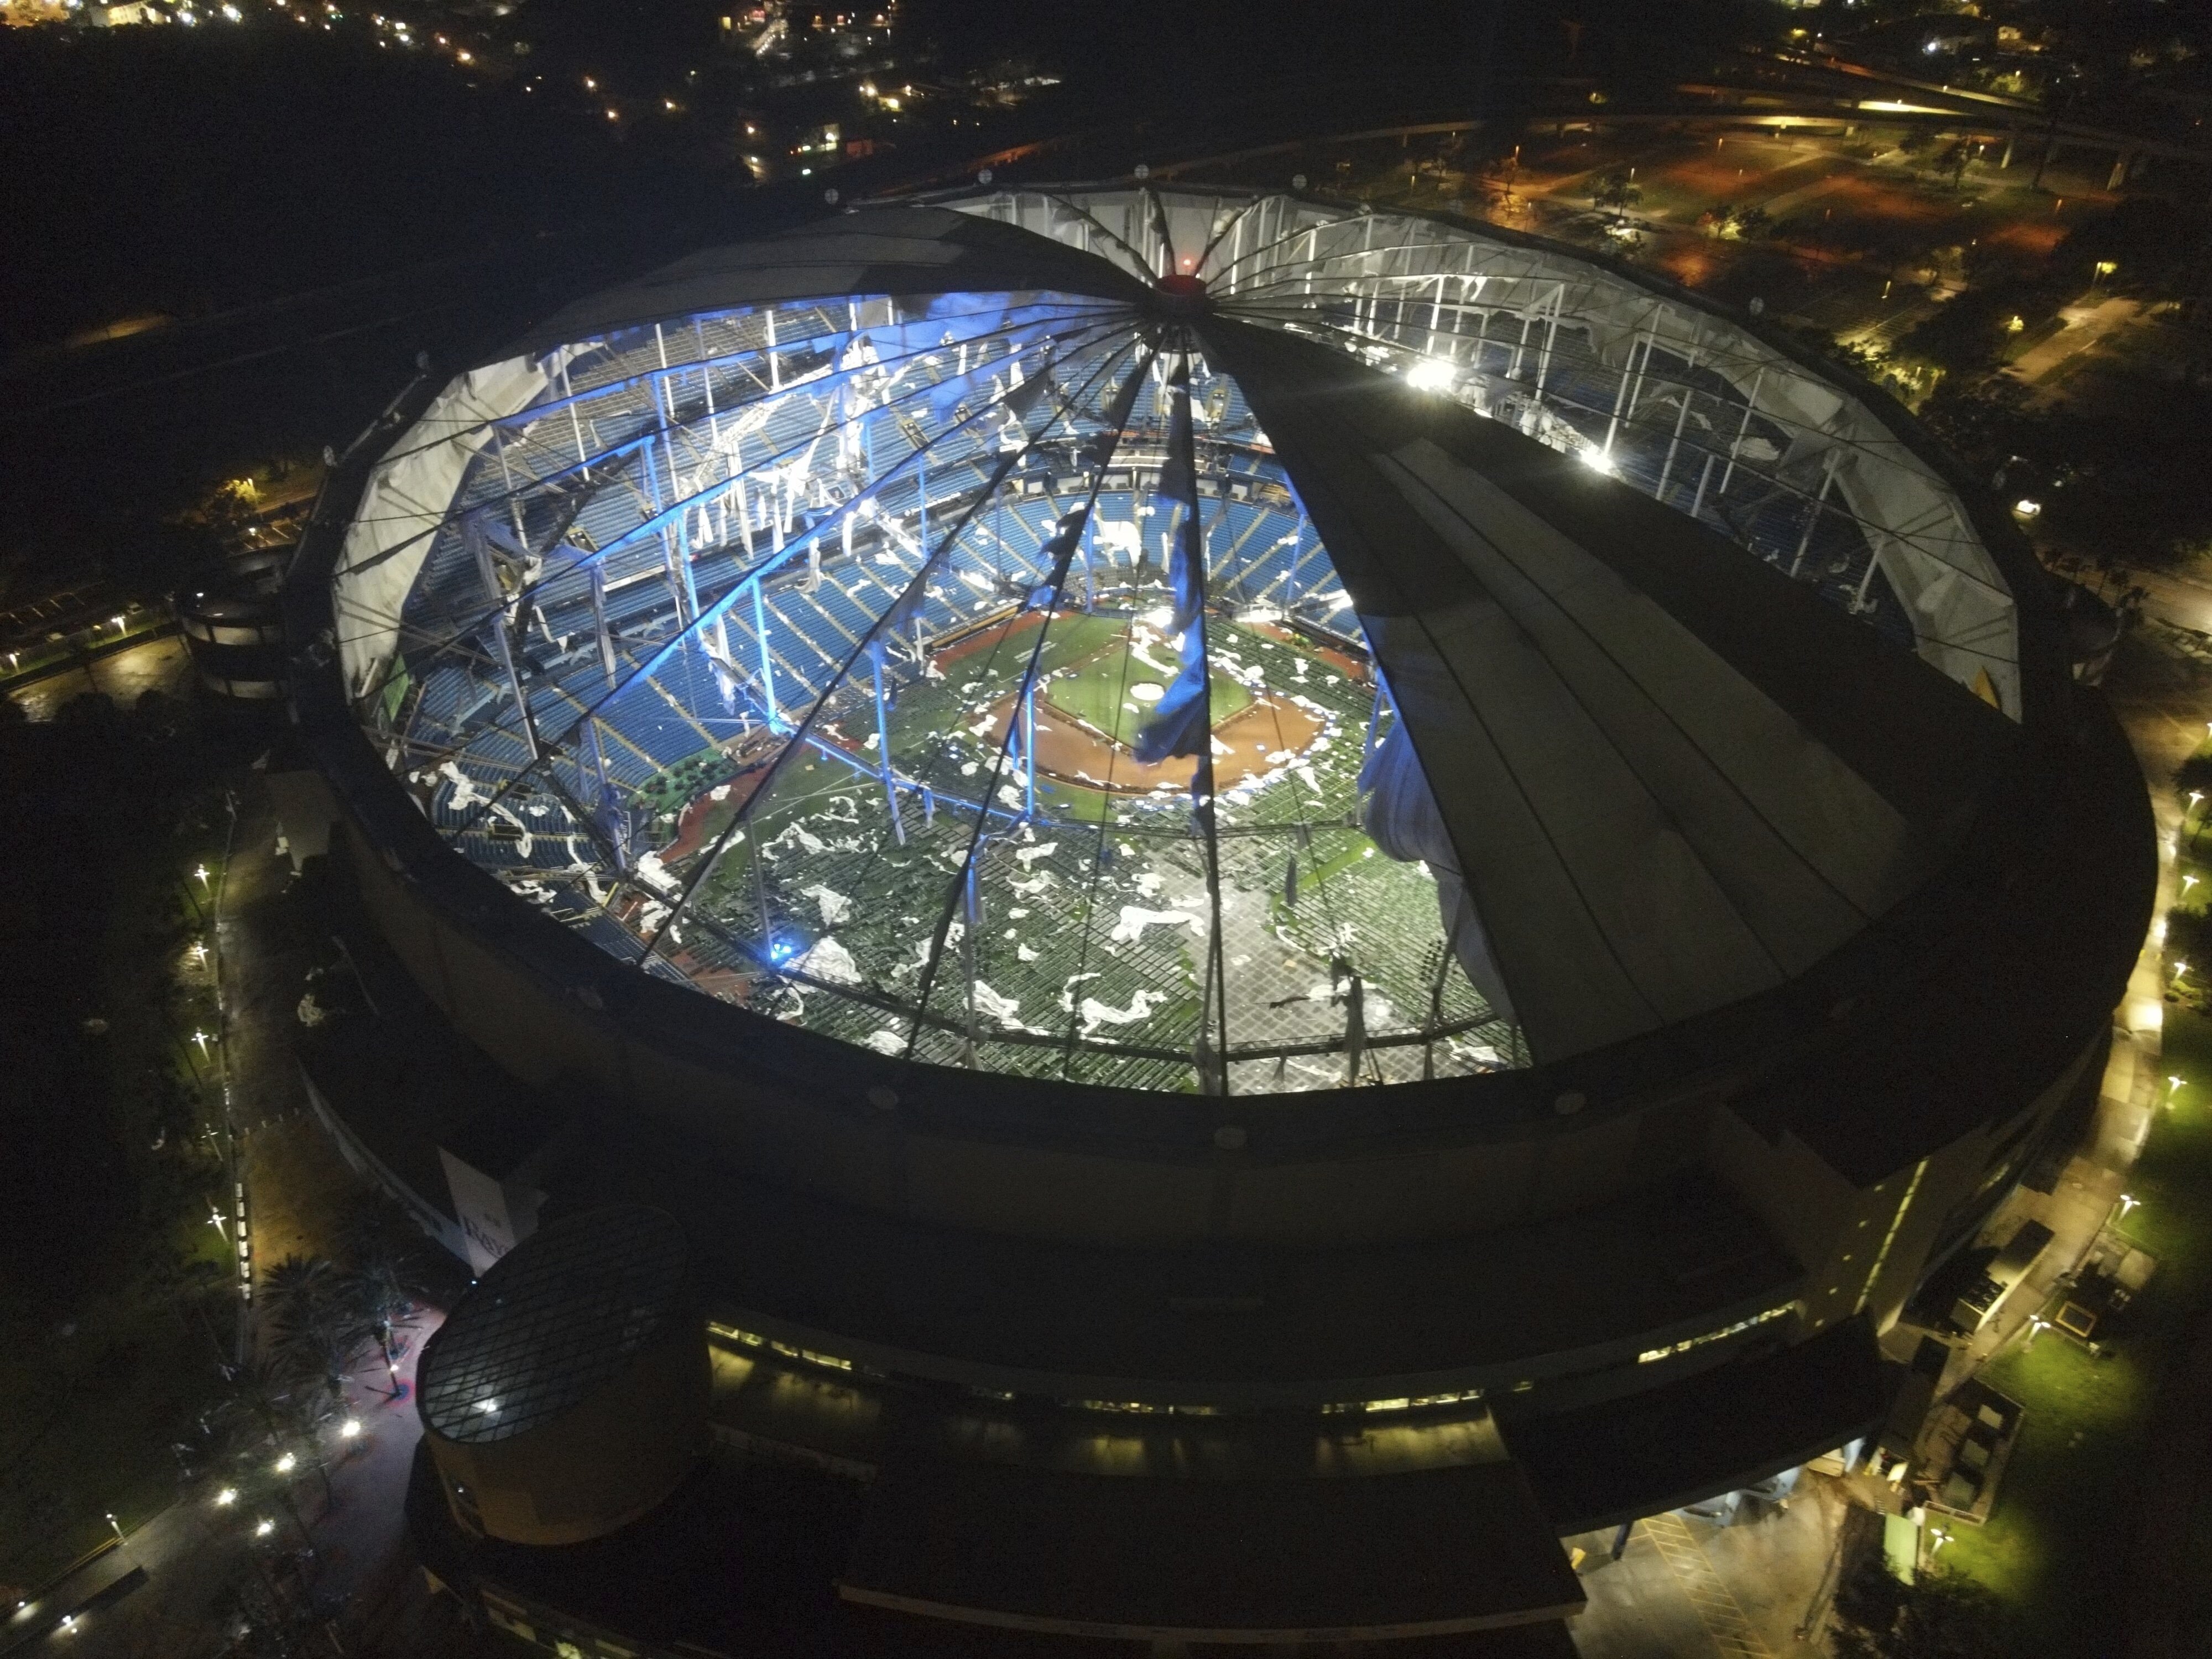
[[1431, 374]]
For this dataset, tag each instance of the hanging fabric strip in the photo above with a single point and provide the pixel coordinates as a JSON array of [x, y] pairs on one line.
[[1179, 724]]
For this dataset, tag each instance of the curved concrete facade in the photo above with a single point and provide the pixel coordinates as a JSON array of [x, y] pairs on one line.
[[551, 1415], [1890, 1093]]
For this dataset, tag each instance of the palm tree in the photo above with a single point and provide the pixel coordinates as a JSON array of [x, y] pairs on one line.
[[315, 1326], [389, 1272], [382, 1288], [295, 1290]]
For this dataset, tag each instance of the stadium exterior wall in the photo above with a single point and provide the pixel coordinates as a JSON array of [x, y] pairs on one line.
[[538, 1030], [997, 1154], [613, 1457]]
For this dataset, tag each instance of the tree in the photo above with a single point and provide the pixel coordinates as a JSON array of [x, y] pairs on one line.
[[295, 1291], [1747, 224], [386, 1280], [1615, 192], [316, 1325], [1941, 1616]]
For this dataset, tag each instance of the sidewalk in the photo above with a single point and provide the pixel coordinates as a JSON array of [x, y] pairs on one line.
[[2086, 325]]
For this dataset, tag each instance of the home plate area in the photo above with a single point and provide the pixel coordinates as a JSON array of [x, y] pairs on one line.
[[1102, 679]]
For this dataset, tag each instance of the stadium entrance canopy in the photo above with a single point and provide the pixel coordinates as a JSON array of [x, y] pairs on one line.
[[1181, 639]]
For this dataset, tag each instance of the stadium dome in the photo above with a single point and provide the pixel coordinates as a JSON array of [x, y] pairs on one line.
[[1184, 640]]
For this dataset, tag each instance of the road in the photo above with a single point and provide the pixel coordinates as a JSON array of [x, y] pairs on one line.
[[159, 665], [2085, 325]]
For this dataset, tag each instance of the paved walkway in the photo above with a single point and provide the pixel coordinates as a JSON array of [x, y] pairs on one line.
[[2086, 325], [2166, 711], [197, 1552], [1686, 1589]]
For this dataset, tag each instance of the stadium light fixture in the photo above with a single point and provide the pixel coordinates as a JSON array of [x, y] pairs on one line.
[[1431, 374]]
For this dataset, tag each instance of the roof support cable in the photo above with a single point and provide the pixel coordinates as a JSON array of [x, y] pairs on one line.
[[1064, 545]]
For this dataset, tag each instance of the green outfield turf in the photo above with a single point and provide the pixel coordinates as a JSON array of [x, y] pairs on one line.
[[1095, 685]]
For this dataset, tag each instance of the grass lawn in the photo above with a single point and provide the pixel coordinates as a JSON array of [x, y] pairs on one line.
[[96, 1396], [1095, 687], [2062, 1541]]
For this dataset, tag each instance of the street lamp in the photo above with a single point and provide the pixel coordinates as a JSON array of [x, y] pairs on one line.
[[351, 1429], [226, 1498], [2128, 1202], [203, 874], [201, 1038], [264, 1527], [287, 1463], [2036, 1326]]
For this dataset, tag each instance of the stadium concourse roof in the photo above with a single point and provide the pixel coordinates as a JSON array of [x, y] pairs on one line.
[[1655, 761]]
